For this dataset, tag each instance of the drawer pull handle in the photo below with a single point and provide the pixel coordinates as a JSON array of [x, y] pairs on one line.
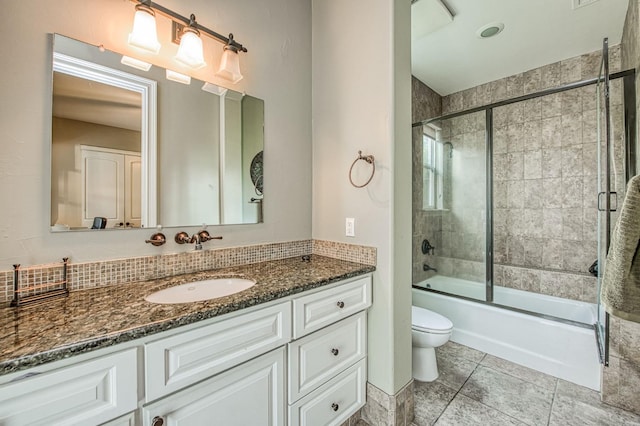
[[340, 304], [157, 421], [335, 351], [335, 406]]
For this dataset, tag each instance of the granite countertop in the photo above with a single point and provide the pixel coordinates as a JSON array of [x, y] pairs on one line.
[[104, 316]]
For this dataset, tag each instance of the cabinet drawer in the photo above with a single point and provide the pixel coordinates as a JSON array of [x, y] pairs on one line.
[[316, 358], [325, 307], [183, 359], [91, 392], [251, 394], [334, 402]]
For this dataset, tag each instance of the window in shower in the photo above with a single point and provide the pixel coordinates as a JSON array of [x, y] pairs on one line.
[[433, 170]]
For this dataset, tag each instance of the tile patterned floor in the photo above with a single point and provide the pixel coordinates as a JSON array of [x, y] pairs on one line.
[[475, 388]]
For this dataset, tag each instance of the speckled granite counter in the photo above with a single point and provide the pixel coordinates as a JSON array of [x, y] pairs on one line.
[[101, 317]]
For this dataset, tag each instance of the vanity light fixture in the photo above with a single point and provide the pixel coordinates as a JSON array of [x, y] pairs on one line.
[[230, 63], [144, 35], [190, 52], [177, 77], [135, 63]]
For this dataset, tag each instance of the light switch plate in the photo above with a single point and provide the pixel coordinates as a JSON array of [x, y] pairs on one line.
[[350, 227]]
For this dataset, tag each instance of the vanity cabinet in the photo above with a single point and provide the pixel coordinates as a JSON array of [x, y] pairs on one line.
[[300, 360], [87, 393]]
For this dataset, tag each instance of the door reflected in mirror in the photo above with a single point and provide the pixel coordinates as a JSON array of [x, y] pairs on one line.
[[139, 150]]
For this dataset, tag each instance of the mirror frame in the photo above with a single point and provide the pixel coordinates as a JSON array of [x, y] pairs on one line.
[[148, 134]]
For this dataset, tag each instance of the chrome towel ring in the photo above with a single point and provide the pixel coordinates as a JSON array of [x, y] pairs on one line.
[[369, 159]]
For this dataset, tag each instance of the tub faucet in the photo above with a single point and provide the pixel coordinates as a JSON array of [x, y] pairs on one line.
[[426, 268]]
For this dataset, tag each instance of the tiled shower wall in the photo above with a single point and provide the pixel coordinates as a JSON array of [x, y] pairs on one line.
[[544, 183], [425, 103]]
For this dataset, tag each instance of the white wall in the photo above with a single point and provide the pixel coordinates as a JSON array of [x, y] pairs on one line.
[[277, 68], [361, 101]]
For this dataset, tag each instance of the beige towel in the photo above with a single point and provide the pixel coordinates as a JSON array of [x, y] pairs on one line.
[[621, 283]]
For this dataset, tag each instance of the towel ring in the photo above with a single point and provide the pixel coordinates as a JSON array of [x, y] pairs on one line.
[[369, 159]]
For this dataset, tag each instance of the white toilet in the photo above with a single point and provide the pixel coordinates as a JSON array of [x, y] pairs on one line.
[[428, 331]]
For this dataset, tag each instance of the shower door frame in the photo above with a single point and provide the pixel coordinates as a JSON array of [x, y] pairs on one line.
[[628, 77]]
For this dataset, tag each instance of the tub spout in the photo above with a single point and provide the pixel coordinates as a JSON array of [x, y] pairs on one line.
[[426, 268]]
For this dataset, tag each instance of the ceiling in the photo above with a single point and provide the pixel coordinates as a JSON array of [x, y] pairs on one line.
[[450, 56], [85, 100]]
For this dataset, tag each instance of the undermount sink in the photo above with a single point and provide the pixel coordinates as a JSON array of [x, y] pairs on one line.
[[200, 290]]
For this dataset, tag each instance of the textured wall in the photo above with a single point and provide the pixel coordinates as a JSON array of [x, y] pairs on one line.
[[361, 101]]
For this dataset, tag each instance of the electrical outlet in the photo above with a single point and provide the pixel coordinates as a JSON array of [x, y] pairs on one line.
[[350, 227]]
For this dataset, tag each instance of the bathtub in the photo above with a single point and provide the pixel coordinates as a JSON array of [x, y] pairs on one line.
[[566, 351]]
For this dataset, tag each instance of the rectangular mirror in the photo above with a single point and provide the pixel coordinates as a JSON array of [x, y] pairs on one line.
[[131, 148]]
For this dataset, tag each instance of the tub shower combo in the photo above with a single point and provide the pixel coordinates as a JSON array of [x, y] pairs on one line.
[[515, 201]]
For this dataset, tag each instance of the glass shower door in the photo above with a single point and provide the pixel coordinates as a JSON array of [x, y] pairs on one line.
[[450, 222]]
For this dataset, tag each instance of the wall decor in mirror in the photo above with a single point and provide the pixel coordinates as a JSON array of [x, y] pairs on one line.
[[146, 148]]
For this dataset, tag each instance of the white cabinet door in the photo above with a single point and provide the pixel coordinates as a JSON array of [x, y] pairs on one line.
[[111, 186], [174, 362], [251, 394], [102, 186], [87, 393]]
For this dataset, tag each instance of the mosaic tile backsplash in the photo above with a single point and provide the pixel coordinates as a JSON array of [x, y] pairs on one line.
[[88, 275]]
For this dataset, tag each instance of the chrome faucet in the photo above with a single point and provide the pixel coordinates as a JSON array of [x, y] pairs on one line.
[[198, 238]]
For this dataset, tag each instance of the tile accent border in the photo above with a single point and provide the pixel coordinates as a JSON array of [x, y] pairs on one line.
[[382, 409], [343, 251], [86, 275]]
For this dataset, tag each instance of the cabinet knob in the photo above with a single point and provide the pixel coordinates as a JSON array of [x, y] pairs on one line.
[[335, 406], [340, 304], [335, 351], [157, 421]]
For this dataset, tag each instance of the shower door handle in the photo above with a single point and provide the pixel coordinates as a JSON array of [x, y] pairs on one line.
[[614, 204]]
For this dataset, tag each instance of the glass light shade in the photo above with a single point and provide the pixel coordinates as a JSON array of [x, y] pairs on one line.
[[190, 51], [144, 35], [230, 66]]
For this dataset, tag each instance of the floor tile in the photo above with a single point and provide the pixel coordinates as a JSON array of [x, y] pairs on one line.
[[572, 412], [464, 411], [520, 399], [430, 401], [524, 373], [456, 350], [454, 371], [580, 393]]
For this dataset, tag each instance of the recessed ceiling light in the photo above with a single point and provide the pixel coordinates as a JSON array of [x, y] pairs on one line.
[[490, 30]]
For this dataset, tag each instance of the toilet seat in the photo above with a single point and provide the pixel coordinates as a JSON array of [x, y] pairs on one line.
[[429, 322]]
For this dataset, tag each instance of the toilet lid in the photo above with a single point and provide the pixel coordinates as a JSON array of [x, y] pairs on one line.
[[424, 319]]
